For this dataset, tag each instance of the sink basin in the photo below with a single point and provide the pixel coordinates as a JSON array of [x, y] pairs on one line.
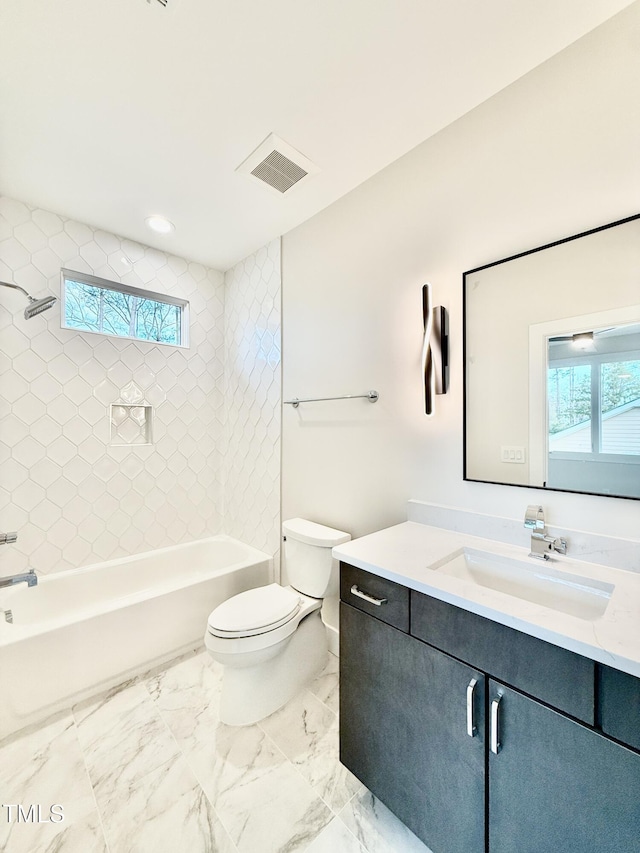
[[540, 584]]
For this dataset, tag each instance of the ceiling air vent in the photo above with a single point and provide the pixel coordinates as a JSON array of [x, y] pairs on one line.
[[279, 172], [277, 165]]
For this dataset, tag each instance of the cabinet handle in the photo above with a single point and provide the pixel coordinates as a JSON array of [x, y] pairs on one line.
[[366, 597], [495, 725], [472, 729]]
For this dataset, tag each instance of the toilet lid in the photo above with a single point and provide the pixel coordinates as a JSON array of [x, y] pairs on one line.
[[254, 612]]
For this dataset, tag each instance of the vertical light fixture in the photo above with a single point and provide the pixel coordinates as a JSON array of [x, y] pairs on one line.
[[435, 350]]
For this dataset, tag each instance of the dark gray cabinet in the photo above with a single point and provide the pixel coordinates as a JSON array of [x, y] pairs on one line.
[[619, 695], [559, 678], [556, 785], [531, 779], [403, 731]]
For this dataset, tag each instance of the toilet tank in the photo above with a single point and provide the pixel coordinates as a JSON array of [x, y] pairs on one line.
[[310, 567]]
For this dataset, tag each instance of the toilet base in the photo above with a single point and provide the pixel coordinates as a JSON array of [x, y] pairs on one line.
[[251, 693]]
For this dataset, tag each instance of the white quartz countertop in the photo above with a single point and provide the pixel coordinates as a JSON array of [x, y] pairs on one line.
[[408, 553]]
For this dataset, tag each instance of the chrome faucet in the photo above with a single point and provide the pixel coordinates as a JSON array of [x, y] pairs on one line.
[[30, 578], [542, 545]]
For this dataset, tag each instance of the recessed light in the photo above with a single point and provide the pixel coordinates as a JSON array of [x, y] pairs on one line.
[[160, 224]]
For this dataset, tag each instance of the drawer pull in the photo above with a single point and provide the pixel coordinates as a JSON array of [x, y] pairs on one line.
[[472, 729], [365, 597], [495, 725]]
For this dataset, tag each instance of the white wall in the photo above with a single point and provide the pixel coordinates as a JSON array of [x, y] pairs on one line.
[[554, 154]]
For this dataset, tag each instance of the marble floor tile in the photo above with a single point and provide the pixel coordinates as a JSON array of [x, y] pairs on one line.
[[44, 763], [260, 797], [377, 829], [42, 768], [84, 836], [254, 789], [306, 731], [188, 697], [336, 838], [191, 683], [106, 707], [164, 812], [20, 835], [325, 686], [123, 738]]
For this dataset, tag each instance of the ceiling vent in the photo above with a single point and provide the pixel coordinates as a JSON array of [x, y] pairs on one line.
[[277, 165]]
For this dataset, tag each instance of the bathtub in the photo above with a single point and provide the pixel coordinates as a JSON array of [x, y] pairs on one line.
[[82, 631]]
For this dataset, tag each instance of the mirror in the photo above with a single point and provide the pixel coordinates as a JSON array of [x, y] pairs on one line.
[[552, 365]]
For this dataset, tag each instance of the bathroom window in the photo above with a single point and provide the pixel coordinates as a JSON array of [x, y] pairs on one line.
[[569, 396], [594, 407], [92, 304]]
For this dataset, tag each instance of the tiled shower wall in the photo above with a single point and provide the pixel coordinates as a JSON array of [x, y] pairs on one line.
[[73, 497], [253, 399]]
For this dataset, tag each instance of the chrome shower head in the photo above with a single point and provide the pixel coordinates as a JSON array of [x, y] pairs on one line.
[[35, 306]]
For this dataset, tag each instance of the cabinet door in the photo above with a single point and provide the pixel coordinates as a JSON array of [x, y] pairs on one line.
[[403, 731], [556, 785], [620, 705]]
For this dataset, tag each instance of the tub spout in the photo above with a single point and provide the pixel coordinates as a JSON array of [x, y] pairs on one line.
[[30, 578]]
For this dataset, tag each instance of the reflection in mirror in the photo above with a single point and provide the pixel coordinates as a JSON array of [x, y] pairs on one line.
[[552, 365], [593, 405]]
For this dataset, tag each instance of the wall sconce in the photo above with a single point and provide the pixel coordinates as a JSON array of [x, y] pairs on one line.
[[435, 349]]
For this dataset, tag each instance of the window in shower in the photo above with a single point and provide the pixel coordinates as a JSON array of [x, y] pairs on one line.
[[92, 304]]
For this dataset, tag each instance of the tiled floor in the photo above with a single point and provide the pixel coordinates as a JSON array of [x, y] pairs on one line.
[[149, 768]]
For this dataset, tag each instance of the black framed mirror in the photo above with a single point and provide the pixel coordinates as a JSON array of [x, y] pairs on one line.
[[552, 365]]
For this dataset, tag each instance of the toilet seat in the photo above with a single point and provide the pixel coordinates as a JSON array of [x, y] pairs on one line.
[[256, 611]]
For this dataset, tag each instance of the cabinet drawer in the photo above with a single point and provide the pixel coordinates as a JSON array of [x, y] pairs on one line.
[[620, 705], [393, 608], [559, 678]]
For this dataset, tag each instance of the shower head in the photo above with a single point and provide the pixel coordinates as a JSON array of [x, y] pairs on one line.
[[35, 306]]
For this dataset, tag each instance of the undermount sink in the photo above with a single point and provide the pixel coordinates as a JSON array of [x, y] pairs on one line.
[[540, 584]]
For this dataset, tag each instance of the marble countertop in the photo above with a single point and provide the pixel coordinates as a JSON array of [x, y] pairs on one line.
[[410, 554]]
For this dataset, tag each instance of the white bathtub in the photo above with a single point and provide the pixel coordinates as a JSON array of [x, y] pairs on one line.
[[85, 630]]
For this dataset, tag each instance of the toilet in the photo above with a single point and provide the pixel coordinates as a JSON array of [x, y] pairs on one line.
[[271, 640]]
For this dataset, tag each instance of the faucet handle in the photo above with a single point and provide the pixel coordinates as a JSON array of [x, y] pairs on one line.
[[534, 517], [8, 538]]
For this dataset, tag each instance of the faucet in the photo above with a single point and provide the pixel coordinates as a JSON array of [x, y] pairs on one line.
[[542, 545], [30, 578]]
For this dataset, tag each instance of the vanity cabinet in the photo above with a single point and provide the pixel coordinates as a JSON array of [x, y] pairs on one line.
[[403, 736], [479, 740], [619, 695], [560, 678], [557, 785]]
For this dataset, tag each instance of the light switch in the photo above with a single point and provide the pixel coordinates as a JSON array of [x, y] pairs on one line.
[[513, 454]]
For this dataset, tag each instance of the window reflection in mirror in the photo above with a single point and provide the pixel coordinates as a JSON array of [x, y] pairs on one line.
[[593, 407]]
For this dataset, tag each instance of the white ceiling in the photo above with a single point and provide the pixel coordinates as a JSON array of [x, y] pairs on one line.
[[115, 109]]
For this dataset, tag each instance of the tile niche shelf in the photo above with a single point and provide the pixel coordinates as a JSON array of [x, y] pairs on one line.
[[130, 424]]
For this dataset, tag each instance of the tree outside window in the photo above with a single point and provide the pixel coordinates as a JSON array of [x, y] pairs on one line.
[[113, 309]]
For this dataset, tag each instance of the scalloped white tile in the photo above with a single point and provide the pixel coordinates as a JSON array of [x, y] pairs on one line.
[[74, 498], [253, 389]]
